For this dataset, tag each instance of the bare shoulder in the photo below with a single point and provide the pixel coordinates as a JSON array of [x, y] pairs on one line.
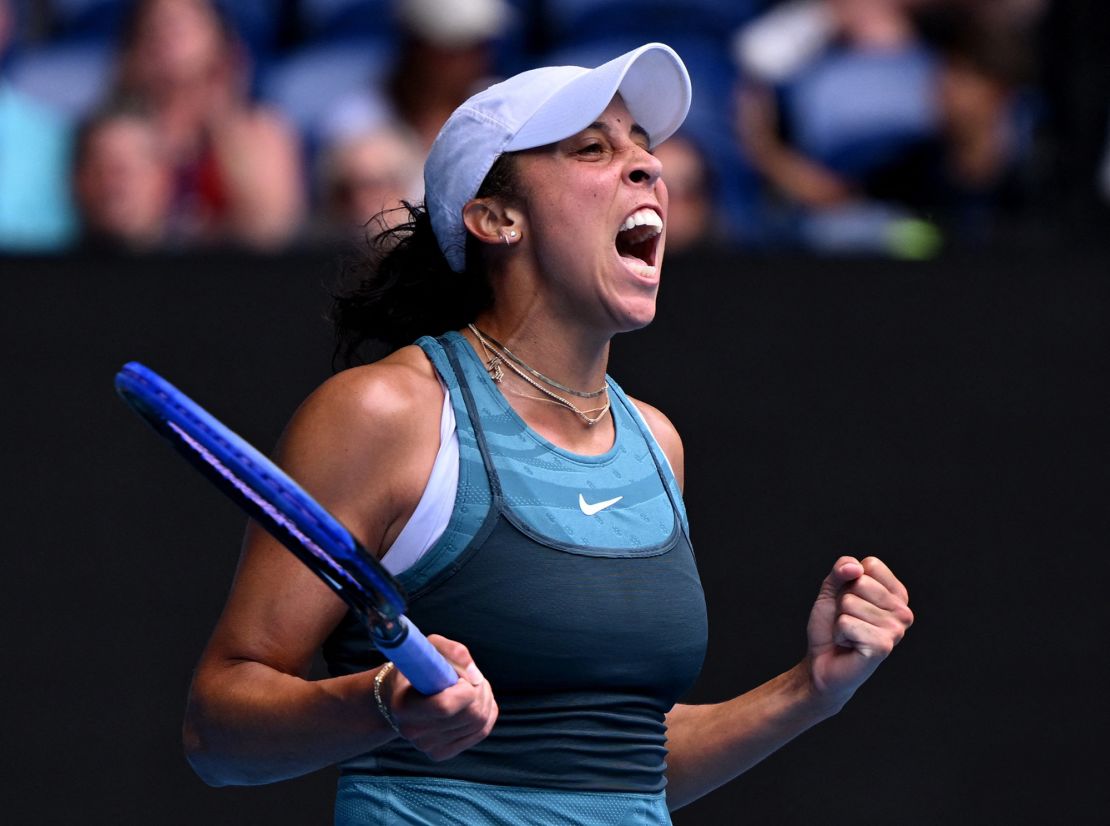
[[666, 435], [364, 441], [375, 397]]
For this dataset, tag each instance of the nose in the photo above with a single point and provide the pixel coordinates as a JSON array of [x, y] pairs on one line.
[[644, 169]]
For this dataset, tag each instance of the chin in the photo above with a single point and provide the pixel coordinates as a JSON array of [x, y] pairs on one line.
[[635, 318]]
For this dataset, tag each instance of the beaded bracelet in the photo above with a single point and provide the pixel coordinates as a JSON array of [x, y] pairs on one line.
[[383, 672]]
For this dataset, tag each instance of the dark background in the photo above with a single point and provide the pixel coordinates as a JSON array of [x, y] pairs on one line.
[[949, 416]]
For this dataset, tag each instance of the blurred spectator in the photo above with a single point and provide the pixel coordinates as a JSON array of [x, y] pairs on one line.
[[977, 177], [445, 52], [36, 212], [123, 183], [692, 216], [237, 165], [363, 175], [902, 121], [836, 92]]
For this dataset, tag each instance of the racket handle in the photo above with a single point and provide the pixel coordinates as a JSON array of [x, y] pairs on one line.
[[418, 659]]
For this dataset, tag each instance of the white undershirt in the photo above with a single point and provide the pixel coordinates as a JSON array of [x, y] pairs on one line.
[[433, 511]]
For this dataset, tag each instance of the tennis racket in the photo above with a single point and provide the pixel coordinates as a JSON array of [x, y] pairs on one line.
[[293, 517]]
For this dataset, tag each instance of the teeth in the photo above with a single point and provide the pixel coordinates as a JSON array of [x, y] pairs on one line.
[[643, 217], [640, 268]]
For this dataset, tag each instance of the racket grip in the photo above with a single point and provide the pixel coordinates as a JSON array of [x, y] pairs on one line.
[[418, 660]]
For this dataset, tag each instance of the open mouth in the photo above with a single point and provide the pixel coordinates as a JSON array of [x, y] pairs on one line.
[[638, 237]]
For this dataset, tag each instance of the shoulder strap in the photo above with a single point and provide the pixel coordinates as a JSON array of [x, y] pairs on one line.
[[662, 464], [449, 344]]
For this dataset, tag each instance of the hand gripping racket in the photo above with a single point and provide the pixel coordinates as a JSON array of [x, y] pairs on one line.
[[297, 520]]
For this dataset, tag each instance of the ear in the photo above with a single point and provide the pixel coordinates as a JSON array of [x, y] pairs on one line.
[[490, 221]]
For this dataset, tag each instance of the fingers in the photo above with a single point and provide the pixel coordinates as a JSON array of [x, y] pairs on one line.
[[872, 610], [445, 743], [447, 723], [871, 641], [861, 614], [878, 570], [846, 569], [459, 656], [855, 611], [871, 579]]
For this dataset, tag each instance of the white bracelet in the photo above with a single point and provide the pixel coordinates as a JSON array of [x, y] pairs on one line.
[[379, 678]]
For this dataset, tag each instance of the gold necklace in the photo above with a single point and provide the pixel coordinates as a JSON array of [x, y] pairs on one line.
[[543, 399], [493, 367], [507, 353]]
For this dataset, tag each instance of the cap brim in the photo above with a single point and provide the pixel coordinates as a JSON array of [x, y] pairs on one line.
[[652, 80]]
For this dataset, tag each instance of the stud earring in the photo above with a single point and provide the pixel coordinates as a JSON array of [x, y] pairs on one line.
[[505, 238]]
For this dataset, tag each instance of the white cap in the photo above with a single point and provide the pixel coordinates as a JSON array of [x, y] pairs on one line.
[[540, 107], [457, 24]]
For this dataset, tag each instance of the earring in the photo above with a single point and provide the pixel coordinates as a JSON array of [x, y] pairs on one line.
[[505, 238]]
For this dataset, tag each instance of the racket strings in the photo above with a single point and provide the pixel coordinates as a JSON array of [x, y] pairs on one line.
[[343, 564], [213, 436], [267, 508]]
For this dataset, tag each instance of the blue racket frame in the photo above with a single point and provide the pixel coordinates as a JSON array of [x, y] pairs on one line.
[[292, 516]]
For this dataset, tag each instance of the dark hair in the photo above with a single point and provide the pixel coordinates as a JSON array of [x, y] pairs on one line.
[[135, 17], [1002, 52], [404, 287], [130, 31]]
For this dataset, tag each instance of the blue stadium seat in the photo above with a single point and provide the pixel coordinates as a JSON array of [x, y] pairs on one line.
[[576, 22], [85, 20], [305, 84], [332, 20]]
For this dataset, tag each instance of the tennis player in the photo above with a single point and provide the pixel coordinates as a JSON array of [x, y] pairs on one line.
[[531, 509]]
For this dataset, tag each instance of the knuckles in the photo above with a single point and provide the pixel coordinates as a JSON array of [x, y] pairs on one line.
[[905, 616], [453, 650], [471, 713]]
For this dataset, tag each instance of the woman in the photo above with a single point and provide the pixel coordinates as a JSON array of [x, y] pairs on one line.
[[237, 165], [529, 507]]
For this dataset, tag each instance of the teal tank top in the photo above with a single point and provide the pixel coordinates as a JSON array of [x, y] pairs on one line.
[[572, 581]]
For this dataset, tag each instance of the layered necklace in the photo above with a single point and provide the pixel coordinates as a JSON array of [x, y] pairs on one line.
[[498, 355]]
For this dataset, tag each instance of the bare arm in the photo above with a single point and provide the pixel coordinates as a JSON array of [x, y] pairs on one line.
[[798, 177], [860, 614], [361, 445], [259, 158], [708, 745]]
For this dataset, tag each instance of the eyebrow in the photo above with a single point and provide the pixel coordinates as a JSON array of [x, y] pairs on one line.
[[635, 129]]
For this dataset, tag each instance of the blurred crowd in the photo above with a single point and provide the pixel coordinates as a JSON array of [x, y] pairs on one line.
[[877, 126]]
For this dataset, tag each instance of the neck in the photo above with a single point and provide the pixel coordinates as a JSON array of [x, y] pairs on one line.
[[581, 425], [561, 353]]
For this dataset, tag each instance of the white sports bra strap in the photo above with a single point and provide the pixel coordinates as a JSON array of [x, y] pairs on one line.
[[433, 512]]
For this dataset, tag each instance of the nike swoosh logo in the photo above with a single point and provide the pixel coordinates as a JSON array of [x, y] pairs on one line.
[[592, 510]]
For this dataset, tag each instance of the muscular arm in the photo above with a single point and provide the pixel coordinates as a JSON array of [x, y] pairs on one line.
[[363, 445], [860, 614]]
